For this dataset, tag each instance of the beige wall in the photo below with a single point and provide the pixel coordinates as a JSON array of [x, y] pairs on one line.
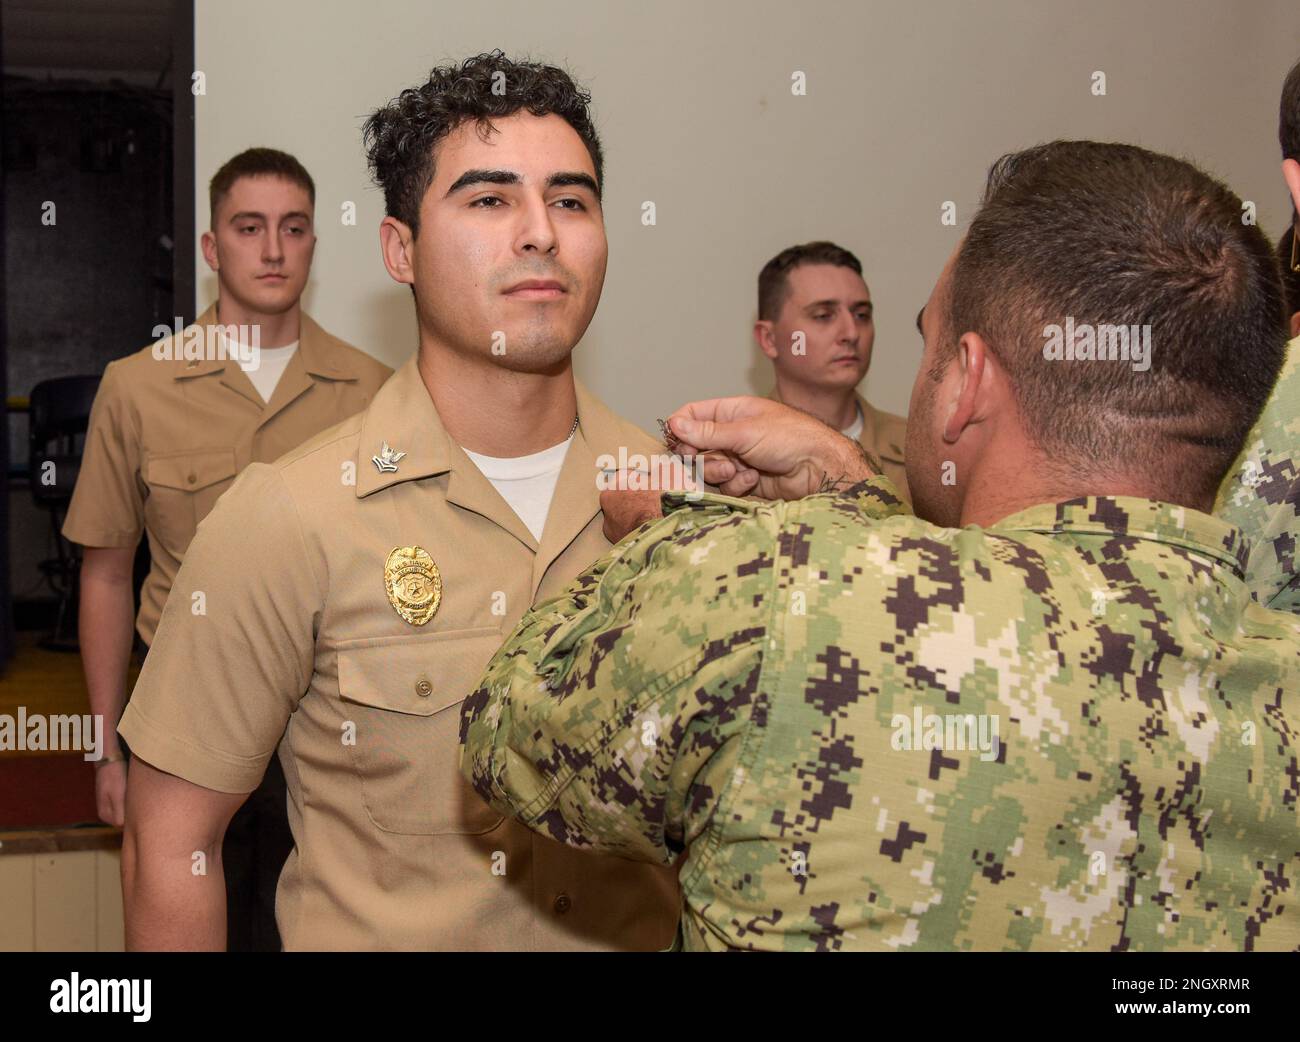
[[907, 104]]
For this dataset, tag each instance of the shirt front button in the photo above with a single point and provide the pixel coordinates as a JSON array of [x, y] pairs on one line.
[[423, 688], [563, 903]]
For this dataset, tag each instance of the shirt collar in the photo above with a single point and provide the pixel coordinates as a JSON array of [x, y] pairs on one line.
[[403, 415], [1133, 518], [316, 350], [868, 435]]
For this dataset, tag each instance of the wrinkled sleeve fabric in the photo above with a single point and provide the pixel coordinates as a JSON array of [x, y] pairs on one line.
[[107, 507], [1261, 493], [616, 715], [234, 651]]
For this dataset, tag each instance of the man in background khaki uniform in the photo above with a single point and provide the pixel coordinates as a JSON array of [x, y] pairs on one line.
[[394, 552], [815, 324], [170, 428]]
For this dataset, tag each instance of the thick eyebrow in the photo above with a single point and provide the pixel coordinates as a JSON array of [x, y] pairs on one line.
[[253, 215], [575, 179], [918, 321], [835, 303], [491, 177]]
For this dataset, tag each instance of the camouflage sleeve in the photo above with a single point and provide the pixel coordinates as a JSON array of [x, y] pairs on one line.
[[1261, 493], [612, 718]]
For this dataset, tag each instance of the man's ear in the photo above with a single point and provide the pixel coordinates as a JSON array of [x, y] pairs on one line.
[[964, 408], [1291, 174], [763, 338], [1295, 325], [209, 244], [397, 245]]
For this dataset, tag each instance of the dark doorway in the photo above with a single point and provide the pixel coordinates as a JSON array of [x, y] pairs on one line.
[[97, 224]]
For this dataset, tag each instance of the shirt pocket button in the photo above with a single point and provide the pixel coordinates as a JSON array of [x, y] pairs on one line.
[[423, 688]]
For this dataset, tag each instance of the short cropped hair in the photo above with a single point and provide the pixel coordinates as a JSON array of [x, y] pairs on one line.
[[774, 279], [1288, 124], [257, 162], [1115, 235]]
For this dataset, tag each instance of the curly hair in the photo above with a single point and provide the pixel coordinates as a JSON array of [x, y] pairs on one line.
[[399, 138]]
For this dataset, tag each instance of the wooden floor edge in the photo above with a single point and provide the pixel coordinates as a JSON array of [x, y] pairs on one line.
[[49, 841]]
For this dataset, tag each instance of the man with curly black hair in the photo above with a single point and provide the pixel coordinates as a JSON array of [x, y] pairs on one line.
[[393, 553]]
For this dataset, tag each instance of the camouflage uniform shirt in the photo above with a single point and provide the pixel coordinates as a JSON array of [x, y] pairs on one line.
[[1073, 729], [1262, 493]]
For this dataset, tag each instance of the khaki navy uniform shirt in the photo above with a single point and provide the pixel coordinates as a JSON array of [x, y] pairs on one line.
[[1261, 493], [168, 434], [299, 638], [1073, 729], [883, 435]]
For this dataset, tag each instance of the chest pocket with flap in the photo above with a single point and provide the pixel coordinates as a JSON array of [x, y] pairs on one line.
[[403, 694], [183, 489]]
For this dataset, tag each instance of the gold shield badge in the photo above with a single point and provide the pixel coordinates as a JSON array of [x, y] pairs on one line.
[[414, 584]]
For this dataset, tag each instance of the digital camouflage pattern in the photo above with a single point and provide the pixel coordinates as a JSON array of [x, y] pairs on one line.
[[729, 681], [1261, 493]]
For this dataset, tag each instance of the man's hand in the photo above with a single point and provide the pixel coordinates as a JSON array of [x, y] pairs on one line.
[[110, 792], [754, 446], [105, 624], [632, 497]]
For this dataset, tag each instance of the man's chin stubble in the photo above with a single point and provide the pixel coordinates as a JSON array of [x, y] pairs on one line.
[[544, 355]]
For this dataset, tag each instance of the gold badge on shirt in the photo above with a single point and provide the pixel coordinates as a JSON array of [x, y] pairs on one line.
[[414, 584]]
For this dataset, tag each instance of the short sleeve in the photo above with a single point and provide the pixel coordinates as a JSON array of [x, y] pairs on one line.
[[107, 507], [234, 650]]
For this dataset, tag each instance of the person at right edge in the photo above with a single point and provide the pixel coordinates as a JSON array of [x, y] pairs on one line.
[[1261, 493], [389, 556]]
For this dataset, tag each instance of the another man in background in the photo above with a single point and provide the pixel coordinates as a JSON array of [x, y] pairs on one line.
[[1261, 492], [815, 322], [1288, 258], [171, 427]]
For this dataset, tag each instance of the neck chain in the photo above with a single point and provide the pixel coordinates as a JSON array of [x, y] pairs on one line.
[[574, 429]]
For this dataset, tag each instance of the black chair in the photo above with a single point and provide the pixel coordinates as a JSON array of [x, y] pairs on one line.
[[57, 422]]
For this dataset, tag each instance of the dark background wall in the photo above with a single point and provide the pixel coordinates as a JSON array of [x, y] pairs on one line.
[[88, 115], [91, 287]]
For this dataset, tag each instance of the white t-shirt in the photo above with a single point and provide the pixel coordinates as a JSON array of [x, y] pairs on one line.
[[527, 483], [272, 362], [854, 431]]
